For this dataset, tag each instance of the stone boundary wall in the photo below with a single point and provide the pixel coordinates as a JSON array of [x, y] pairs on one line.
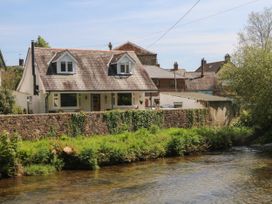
[[36, 126]]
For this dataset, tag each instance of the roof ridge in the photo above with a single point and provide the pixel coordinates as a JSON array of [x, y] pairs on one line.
[[133, 44]]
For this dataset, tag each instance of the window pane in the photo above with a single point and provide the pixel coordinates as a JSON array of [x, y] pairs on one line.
[[63, 67], [127, 68], [122, 68], [70, 66], [68, 100], [124, 99]]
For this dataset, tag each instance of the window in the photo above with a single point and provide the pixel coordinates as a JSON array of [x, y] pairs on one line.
[[124, 99], [124, 68], [63, 67], [66, 67], [70, 66], [68, 100]]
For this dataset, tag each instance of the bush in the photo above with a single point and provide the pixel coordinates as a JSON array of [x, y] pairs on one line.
[[185, 142], [8, 154], [6, 101]]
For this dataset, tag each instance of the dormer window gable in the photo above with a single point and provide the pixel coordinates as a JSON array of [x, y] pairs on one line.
[[124, 64], [65, 63]]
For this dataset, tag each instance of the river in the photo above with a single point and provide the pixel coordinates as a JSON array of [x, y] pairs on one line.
[[242, 175]]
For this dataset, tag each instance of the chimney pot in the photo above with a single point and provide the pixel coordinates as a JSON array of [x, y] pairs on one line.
[[21, 62], [175, 66], [110, 46], [227, 57], [203, 62]]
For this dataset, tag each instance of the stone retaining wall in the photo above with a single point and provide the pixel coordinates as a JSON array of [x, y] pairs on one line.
[[41, 125]]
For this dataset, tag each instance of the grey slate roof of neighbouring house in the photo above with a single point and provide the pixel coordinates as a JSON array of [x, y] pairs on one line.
[[156, 72], [92, 72], [212, 67], [206, 83]]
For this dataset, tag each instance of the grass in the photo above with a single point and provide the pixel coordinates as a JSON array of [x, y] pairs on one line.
[[88, 153]]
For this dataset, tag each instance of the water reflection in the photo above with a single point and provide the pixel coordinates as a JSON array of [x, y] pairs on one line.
[[239, 176]]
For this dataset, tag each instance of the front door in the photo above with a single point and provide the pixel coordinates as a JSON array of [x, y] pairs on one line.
[[95, 102]]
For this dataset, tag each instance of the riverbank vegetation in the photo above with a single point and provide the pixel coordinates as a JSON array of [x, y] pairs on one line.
[[251, 78], [54, 154]]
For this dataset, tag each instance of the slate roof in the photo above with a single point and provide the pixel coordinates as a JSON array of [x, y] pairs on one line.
[[129, 46], [92, 72], [156, 72], [212, 67], [206, 83], [197, 96]]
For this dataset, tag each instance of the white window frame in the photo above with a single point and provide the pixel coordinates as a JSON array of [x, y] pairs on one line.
[[127, 68], [66, 67]]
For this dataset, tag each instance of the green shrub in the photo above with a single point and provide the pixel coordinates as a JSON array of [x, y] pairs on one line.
[[8, 154], [37, 169], [77, 124], [185, 142]]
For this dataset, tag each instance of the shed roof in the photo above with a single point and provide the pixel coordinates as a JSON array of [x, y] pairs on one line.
[[198, 96], [92, 72]]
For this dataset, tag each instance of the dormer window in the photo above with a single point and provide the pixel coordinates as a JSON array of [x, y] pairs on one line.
[[123, 64], [65, 62]]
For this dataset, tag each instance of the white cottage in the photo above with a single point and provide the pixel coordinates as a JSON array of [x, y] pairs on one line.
[[71, 80]]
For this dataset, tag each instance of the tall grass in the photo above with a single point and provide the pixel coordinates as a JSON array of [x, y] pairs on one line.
[[97, 151]]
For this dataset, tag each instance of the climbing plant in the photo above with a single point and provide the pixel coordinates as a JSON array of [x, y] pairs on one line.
[[77, 124]]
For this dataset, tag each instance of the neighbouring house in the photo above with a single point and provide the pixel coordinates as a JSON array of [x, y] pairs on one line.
[[221, 109], [89, 80], [196, 83], [214, 66], [166, 80], [146, 57]]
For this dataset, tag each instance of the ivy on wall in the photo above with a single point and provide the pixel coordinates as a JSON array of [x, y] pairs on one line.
[[120, 121], [77, 124]]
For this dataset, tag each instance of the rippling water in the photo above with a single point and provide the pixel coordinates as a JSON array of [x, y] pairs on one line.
[[240, 176]]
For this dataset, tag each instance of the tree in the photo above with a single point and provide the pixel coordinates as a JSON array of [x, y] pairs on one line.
[[258, 32], [7, 101], [252, 80], [40, 42], [11, 77]]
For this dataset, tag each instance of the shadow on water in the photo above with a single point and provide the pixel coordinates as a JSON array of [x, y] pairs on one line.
[[242, 175]]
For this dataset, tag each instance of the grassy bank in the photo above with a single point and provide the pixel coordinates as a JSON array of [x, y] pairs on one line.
[[52, 154]]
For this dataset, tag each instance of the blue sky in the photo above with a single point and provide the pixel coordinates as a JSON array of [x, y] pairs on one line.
[[93, 23]]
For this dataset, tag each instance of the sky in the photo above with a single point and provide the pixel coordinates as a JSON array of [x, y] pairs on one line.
[[92, 24]]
